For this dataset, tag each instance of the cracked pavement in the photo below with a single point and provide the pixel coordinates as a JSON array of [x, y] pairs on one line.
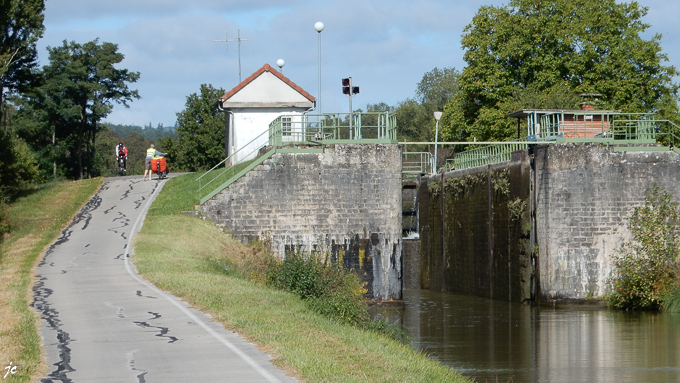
[[101, 322]]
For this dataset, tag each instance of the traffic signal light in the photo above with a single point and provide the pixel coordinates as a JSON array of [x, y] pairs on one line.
[[346, 85]]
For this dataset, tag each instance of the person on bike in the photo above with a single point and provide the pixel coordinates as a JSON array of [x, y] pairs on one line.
[[150, 153], [121, 152]]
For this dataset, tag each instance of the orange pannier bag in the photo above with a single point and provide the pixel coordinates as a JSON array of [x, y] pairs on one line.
[[156, 162]]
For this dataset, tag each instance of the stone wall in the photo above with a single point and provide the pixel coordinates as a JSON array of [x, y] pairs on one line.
[[344, 202], [474, 231], [585, 194], [411, 263]]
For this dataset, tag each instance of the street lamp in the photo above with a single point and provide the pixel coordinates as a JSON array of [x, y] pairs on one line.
[[318, 26], [280, 63], [437, 116]]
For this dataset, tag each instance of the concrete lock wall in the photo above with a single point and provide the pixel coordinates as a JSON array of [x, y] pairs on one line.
[[344, 202], [585, 195], [474, 231]]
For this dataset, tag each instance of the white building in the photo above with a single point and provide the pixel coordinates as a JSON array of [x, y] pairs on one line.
[[257, 101]]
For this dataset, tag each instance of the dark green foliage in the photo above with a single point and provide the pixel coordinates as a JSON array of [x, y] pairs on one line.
[[671, 302], [18, 168], [105, 161], [17, 164], [135, 138], [136, 146], [542, 54], [326, 287], [21, 25], [415, 119], [199, 144], [80, 86], [4, 219], [149, 133], [646, 268]]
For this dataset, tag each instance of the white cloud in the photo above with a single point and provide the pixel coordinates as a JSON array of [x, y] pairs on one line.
[[386, 46]]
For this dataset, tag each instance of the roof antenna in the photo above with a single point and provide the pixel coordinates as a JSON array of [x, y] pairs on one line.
[[227, 41]]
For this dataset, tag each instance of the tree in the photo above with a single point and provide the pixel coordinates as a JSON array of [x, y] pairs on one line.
[[556, 47], [199, 144], [81, 85], [433, 92], [21, 25], [105, 163], [17, 164]]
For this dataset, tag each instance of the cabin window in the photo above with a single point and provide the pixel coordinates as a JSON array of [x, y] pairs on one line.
[[286, 126]]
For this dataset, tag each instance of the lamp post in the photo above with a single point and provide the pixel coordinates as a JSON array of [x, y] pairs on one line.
[[280, 63], [318, 26], [437, 116]]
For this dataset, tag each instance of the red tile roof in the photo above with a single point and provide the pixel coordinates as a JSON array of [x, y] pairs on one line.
[[267, 68]]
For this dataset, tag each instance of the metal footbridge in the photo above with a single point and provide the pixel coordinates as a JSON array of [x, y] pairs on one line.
[[622, 131]]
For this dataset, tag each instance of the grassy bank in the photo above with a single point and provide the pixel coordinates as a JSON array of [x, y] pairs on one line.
[[36, 219], [192, 259]]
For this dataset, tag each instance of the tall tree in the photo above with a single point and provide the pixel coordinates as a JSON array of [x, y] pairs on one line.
[[556, 47], [81, 86], [21, 25], [199, 144], [436, 88]]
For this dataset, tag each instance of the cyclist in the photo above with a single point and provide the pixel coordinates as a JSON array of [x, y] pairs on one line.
[[150, 153], [121, 152]]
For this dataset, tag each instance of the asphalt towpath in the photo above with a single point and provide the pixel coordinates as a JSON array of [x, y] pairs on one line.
[[102, 322]]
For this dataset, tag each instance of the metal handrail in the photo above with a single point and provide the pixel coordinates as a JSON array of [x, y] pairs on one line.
[[487, 154], [623, 128], [308, 129], [416, 162], [295, 129], [241, 153]]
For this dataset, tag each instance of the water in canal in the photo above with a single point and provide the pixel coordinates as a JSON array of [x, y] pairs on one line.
[[509, 342]]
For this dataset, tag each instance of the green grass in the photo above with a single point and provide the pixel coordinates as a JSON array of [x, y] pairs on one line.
[[194, 260], [224, 176], [36, 218]]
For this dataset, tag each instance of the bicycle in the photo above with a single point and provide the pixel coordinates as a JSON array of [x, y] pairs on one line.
[[121, 165], [159, 167]]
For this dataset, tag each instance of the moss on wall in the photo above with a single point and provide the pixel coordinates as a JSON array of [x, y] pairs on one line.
[[474, 236]]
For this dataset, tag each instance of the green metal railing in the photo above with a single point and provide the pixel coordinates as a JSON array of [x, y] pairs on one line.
[[593, 125], [227, 171], [415, 163], [294, 134], [333, 128], [629, 129], [486, 155]]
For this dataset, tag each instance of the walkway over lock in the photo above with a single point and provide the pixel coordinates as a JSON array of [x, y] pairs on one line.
[[624, 131]]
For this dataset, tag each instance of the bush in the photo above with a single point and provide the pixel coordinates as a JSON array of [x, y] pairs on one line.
[[671, 301], [4, 219], [325, 286], [18, 166], [646, 268]]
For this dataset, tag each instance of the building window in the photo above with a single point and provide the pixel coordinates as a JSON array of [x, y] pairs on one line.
[[286, 126]]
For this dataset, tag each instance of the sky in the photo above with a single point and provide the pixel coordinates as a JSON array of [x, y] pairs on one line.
[[386, 46]]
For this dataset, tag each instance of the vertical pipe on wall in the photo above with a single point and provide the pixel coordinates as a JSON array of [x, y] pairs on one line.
[[534, 284], [490, 230], [443, 236]]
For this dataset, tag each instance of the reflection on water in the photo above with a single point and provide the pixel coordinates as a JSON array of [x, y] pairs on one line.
[[489, 340]]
